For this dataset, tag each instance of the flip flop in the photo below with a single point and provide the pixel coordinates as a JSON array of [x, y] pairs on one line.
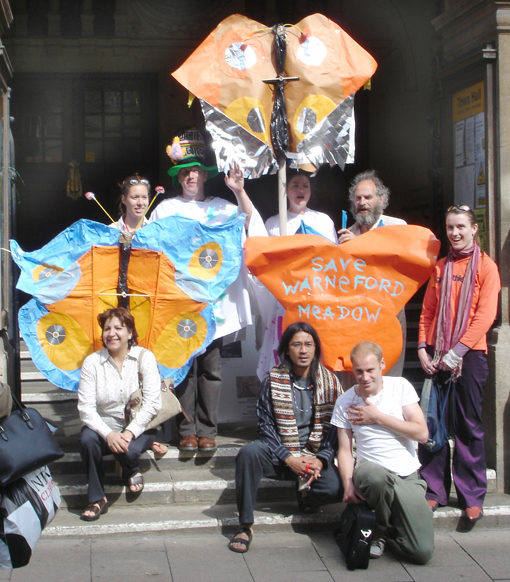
[[135, 480], [97, 509], [159, 448], [236, 540]]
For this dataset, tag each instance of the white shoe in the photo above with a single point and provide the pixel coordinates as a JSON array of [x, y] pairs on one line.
[[377, 548]]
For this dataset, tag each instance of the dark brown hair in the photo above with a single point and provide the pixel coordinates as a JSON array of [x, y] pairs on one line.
[[126, 185], [470, 216], [124, 317], [292, 173]]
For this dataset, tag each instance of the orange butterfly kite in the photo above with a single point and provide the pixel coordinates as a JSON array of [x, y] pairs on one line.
[[227, 73]]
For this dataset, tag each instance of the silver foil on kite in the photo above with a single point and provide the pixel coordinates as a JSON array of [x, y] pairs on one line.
[[232, 142], [331, 141]]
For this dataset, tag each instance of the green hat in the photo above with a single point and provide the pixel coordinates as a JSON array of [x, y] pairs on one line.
[[188, 149]]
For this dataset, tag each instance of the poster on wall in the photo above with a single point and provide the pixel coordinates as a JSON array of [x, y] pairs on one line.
[[468, 116]]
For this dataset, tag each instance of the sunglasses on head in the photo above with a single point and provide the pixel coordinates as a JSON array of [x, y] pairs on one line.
[[463, 207], [144, 182]]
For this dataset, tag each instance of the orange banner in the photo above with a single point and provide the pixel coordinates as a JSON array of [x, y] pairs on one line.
[[349, 292]]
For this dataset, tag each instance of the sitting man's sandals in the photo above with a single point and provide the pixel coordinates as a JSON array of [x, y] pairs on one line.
[[94, 510], [135, 483], [243, 545], [305, 502], [159, 448]]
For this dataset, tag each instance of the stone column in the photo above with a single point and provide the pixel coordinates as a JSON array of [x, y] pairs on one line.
[[499, 348]]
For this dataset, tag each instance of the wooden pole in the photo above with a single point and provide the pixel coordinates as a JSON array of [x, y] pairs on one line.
[[282, 197]]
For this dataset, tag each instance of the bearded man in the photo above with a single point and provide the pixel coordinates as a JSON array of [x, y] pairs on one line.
[[369, 197]]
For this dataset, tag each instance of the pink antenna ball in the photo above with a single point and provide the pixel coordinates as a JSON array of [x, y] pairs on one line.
[[90, 196], [159, 190]]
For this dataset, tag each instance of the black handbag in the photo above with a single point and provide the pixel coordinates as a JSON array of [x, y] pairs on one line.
[[26, 443], [354, 535]]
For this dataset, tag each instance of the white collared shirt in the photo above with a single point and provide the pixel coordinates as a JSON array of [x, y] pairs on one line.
[[104, 391]]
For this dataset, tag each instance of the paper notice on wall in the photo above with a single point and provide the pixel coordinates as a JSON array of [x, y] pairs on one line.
[[469, 140], [464, 185], [481, 186], [480, 137], [468, 116], [460, 153]]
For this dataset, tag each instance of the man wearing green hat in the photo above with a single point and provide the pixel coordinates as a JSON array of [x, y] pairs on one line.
[[199, 393]]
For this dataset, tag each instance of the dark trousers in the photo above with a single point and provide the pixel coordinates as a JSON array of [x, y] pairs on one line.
[[199, 394], [254, 461], [469, 467], [93, 448]]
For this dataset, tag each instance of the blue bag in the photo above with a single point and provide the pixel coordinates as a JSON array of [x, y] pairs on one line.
[[434, 402]]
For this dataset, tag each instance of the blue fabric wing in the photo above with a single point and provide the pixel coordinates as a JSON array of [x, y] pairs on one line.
[[217, 248], [28, 317], [50, 273]]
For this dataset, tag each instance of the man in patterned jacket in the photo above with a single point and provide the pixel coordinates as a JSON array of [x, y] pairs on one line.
[[295, 439]]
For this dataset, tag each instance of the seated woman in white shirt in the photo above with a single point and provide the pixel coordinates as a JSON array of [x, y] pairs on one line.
[[108, 379]]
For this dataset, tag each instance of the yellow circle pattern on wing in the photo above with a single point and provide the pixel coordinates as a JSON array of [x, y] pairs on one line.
[[249, 113], [206, 261], [318, 106], [184, 334], [63, 340]]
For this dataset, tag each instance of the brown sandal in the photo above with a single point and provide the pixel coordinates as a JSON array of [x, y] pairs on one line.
[[97, 509]]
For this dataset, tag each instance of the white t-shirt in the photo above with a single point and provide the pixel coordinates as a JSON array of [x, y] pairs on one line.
[[317, 220], [377, 443]]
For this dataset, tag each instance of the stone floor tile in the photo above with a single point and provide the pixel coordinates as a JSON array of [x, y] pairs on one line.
[[495, 565], [143, 543], [478, 538], [448, 552], [286, 563], [384, 569], [280, 539], [452, 574], [205, 558], [325, 544], [67, 560], [128, 562]]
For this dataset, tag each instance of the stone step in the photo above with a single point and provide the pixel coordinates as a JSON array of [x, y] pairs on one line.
[[178, 487], [270, 516]]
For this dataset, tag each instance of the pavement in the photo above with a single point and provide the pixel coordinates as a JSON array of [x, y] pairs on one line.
[[478, 556]]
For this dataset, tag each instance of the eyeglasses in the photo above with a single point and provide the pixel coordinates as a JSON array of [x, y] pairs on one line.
[[463, 207], [299, 345], [144, 182]]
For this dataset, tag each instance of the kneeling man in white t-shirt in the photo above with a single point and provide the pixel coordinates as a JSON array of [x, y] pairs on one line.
[[383, 415]]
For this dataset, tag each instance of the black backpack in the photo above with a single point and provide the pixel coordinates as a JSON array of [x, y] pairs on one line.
[[354, 535]]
